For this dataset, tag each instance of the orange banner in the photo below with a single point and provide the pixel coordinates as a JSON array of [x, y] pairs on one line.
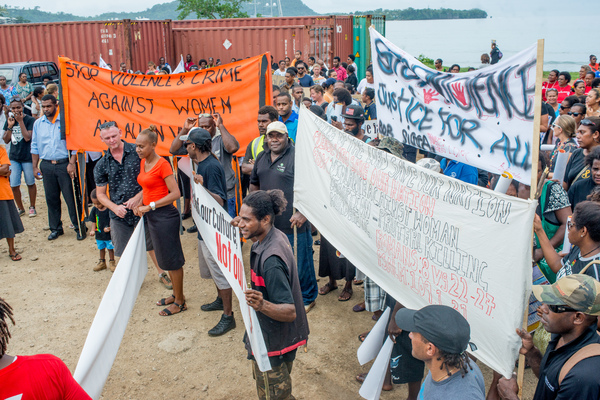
[[92, 96]]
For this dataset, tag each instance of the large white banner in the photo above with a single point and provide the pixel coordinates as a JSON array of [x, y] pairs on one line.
[[223, 242], [482, 118], [423, 237], [108, 327]]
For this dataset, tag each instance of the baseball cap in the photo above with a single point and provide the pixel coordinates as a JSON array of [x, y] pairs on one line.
[[392, 145], [579, 292], [197, 135], [328, 82], [277, 126], [443, 326], [353, 111]]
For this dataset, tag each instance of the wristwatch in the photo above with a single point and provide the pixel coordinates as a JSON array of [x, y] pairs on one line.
[[153, 205]]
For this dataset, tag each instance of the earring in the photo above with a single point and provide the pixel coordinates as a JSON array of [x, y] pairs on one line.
[[581, 235]]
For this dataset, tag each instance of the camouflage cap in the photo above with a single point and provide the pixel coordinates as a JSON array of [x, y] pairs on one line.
[[392, 145], [580, 292]]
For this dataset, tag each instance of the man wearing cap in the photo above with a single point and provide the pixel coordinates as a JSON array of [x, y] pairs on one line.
[[266, 115], [354, 117], [286, 115], [440, 336], [569, 311], [224, 145], [274, 169], [210, 174]]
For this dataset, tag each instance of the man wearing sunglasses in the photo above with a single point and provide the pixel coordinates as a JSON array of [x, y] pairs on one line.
[[569, 368]]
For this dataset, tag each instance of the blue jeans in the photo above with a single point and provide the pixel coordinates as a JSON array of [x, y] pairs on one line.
[[306, 266], [231, 207]]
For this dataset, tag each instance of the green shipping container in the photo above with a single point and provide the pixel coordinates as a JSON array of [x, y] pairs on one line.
[[362, 40]]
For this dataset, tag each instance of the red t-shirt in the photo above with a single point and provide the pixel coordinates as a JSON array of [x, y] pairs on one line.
[[153, 182], [546, 85], [43, 377], [563, 93]]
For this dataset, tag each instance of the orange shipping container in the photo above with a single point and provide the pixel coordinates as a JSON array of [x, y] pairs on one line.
[[240, 42], [132, 42]]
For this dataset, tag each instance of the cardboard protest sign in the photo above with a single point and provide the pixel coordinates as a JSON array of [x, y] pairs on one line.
[[423, 237], [223, 242], [92, 96], [483, 118]]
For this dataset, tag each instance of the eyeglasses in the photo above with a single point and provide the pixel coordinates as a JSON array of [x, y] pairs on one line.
[[570, 224], [574, 114], [559, 309], [108, 124]]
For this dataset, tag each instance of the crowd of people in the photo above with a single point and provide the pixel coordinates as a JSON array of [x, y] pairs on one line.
[[130, 181]]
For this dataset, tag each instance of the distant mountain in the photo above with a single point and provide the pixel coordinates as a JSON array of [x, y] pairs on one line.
[[160, 11]]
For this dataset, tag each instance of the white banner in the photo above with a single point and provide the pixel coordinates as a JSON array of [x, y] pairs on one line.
[[482, 118], [223, 241], [423, 237], [106, 332]]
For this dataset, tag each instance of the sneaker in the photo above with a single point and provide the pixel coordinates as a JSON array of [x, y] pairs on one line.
[[192, 229], [216, 305], [112, 265], [100, 266], [226, 324], [32, 212], [21, 213]]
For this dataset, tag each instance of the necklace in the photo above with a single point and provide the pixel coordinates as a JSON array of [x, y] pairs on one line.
[[595, 248]]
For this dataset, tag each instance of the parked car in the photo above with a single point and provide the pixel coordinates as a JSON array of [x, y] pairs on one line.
[[35, 71]]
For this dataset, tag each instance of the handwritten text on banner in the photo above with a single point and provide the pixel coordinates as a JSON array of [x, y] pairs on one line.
[[423, 237], [482, 118]]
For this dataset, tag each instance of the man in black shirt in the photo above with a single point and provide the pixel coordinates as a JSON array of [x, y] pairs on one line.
[[275, 293], [118, 169], [17, 131], [274, 169], [210, 174], [569, 312]]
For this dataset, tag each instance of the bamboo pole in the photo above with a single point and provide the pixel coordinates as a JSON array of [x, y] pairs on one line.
[[535, 151]]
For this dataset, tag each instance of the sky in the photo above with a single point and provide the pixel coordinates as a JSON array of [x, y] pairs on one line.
[[505, 7]]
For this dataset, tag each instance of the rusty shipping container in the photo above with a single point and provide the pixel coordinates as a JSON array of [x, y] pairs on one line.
[[132, 42], [240, 42], [327, 36]]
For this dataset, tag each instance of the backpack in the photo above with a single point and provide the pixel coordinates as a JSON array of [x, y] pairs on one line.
[[591, 350], [500, 55]]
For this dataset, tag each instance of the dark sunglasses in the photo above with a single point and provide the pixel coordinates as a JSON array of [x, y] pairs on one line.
[[574, 114], [587, 122], [108, 124], [560, 309]]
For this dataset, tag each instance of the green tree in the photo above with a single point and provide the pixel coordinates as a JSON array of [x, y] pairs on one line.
[[212, 9]]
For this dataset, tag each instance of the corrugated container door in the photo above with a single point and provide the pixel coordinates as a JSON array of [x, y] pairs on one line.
[[343, 37], [379, 23], [361, 43], [320, 43]]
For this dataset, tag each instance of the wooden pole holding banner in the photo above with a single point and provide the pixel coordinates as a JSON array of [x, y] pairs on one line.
[[535, 153]]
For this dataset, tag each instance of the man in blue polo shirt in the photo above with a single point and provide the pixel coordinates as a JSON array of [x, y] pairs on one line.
[[47, 146], [287, 115]]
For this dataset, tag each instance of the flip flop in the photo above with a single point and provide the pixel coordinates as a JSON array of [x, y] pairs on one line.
[[327, 288], [360, 307], [16, 257]]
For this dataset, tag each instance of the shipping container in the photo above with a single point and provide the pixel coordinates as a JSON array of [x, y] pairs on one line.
[[328, 36], [239, 42], [132, 42]]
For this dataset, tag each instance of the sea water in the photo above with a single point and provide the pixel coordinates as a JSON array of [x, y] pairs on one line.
[[463, 41]]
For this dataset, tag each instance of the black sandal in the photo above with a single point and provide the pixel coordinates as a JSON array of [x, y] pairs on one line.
[[167, 313], [163, 302]]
